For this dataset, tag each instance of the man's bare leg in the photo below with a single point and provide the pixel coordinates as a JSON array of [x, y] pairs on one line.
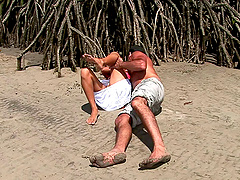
[[117, 154], [90, 84], [159, 153]]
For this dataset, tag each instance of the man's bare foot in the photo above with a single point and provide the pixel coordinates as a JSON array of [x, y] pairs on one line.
[[108, 159], [93, 118], [151, 163], [96, 61]]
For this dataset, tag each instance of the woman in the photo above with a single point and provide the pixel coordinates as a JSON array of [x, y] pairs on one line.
[[110, 94]]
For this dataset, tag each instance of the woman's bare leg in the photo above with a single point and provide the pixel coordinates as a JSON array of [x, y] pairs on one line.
[[117, 75], [110, 60], [91, 84]]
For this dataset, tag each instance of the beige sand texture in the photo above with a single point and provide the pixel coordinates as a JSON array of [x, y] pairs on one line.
[[44, 134]]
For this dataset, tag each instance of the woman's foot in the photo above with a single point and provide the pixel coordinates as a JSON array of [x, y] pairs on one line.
[[98, 62], [93, 118]]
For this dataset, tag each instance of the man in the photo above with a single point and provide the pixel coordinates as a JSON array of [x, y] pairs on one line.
[[146, 100]]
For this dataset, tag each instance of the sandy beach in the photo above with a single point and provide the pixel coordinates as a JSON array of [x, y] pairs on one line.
[[44, 134]]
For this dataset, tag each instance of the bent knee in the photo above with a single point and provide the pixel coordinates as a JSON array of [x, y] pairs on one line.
[[138, 102], [85, 72], [114, 53]]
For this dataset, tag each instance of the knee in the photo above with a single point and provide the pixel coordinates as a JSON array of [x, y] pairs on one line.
[[85, 72], [114, 53], [123, 119], [138, 102]]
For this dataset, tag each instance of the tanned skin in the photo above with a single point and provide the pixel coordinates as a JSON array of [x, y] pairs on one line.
[[140, 67]]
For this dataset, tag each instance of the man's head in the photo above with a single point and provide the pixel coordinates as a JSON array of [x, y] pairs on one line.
[[133, 49], [136, 48]]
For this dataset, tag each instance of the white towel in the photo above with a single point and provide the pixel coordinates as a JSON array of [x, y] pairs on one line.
[[115, 96]]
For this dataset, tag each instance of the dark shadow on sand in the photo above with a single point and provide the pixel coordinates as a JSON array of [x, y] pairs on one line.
[[87, 108], [154, 167], [143, 135]]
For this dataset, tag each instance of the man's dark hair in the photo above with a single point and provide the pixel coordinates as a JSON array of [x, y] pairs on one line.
[[137, 48]]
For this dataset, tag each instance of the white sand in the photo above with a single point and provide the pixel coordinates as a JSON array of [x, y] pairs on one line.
[[44, 134]]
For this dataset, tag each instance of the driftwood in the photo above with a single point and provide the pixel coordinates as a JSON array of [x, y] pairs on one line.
[[169, 30]]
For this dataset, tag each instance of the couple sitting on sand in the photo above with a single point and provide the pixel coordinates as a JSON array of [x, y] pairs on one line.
[[143, 103]]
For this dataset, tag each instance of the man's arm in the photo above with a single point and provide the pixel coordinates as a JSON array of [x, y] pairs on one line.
[[137, 62]]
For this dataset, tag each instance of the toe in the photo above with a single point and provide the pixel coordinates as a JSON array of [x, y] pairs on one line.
[[121, 157]]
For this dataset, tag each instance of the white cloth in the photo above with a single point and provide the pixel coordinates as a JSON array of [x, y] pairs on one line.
[[105, 82], [115, 96]]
